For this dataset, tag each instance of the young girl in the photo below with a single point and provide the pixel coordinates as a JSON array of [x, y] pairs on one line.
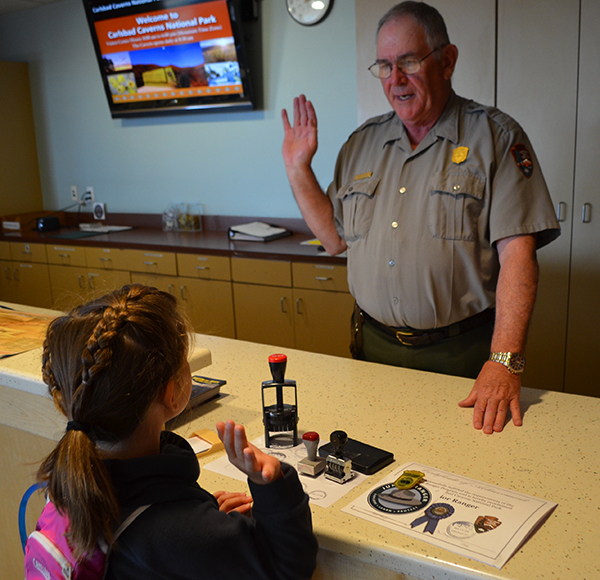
[[117, 368]]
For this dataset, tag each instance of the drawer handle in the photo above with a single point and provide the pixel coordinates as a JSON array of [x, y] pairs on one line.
[[151, 263], [170, 289], [283, 302], [561, 207], [104, 259], [81, 280], [183, 292], [586, 213], [16, 274], [202, 268], [64, 256], [7, 273], [298, 304], [322, 278]]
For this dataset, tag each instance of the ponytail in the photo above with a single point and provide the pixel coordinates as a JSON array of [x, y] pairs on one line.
[[79, 486]]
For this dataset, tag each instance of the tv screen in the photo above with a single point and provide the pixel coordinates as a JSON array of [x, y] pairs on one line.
[[161, 56]]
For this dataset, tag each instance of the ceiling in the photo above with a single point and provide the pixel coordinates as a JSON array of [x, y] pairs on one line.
[[16, 5]]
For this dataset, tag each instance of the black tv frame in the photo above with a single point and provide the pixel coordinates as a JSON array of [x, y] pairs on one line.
[[243, 15]]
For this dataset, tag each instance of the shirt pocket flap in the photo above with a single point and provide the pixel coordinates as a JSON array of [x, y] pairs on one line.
[[366, 187], [458, 184]]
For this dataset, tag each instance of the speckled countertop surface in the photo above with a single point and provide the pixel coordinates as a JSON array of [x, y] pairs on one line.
[[555, 455]]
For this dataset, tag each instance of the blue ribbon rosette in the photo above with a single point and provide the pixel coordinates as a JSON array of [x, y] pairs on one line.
[[433, 514]]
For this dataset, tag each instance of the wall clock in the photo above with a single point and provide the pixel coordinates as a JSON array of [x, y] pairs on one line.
[[309, 12]]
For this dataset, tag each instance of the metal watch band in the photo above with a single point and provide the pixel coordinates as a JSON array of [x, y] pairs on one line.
[[513, 361]]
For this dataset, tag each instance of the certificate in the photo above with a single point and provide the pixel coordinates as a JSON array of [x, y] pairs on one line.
[[478, 520]]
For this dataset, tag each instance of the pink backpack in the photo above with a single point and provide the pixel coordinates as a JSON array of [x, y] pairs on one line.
[[48, 555]]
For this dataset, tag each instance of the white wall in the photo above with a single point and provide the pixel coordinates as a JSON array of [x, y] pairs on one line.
[[230, 162]]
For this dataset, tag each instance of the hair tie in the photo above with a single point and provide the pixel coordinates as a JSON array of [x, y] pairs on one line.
[[75, 426]]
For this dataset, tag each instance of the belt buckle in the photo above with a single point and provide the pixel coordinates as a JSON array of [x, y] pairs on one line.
[[400, 334]]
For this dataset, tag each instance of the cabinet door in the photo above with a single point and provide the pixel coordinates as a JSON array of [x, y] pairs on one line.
[[69, 286], [528, 64], [264, 314], [73, 286], [582, 374], [33, 284], [8, 284], [209, 304], [322, 321]]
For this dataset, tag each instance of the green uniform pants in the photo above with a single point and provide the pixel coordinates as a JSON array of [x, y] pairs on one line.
[[461, 355]]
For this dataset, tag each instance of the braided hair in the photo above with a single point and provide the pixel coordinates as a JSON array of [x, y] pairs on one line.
[[105, 363]]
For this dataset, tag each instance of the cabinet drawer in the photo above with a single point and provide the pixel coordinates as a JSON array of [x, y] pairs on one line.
[[4, 251], [26, 252], [66, 255], [150, 262], [266, 272], [320, 277], [207, 267], [107, 258]]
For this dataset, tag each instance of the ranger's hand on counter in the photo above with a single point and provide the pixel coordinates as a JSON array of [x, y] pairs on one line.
[[495, 392], [249, 459]]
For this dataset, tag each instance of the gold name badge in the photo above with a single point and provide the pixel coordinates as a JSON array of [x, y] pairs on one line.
[[460, 154], [363, 176]]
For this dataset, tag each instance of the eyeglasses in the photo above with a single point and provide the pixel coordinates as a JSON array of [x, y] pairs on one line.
[[409, 65]]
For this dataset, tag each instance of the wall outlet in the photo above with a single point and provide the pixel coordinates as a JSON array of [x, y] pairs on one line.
[[89, 194], [74, 194]]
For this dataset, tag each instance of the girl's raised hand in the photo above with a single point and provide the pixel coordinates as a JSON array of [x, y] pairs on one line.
[[258, 466]]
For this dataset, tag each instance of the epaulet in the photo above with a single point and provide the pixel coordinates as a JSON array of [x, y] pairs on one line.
[[378, 120], [504, 121]]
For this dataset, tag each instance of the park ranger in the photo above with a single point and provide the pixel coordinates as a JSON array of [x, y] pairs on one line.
[[441, 206]]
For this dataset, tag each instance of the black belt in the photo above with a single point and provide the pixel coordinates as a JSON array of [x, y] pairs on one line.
[[413, 337]]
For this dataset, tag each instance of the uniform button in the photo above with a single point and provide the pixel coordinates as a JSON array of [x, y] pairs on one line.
[[392, 263], [395, 300], [402, 190], [351, 188], [456, 187], [394, 225]]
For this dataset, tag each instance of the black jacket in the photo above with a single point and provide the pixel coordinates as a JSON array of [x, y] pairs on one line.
[[184, 535]]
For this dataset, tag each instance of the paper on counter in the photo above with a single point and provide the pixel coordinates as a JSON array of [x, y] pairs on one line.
[[505, 518], [321, 491]]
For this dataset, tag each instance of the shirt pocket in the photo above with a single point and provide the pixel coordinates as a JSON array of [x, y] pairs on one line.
[[455, 204], [358, 202]]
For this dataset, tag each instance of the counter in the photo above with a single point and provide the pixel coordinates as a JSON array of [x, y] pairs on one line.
[[213, 239], [555, 455]]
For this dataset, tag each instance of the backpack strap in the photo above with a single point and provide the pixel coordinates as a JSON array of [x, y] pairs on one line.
[[23, 511], [124, 525]]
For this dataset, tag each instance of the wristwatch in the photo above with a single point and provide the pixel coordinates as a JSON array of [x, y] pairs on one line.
[[513, 361]]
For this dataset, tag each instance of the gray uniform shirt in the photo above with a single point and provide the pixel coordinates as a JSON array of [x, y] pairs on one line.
[[421, 224]]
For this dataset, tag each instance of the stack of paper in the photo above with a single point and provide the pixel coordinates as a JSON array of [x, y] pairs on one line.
[[257, 232]]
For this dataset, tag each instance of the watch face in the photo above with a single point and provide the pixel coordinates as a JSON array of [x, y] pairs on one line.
[[309, 12], [517, 363]]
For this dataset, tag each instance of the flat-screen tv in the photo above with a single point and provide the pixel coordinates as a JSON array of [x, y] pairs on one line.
[[170, 56]]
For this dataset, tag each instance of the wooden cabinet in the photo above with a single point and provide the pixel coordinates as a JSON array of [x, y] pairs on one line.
[[73, 285], [299, 305], [203, 288], [24, 278], [264, 314], [290, 305]]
